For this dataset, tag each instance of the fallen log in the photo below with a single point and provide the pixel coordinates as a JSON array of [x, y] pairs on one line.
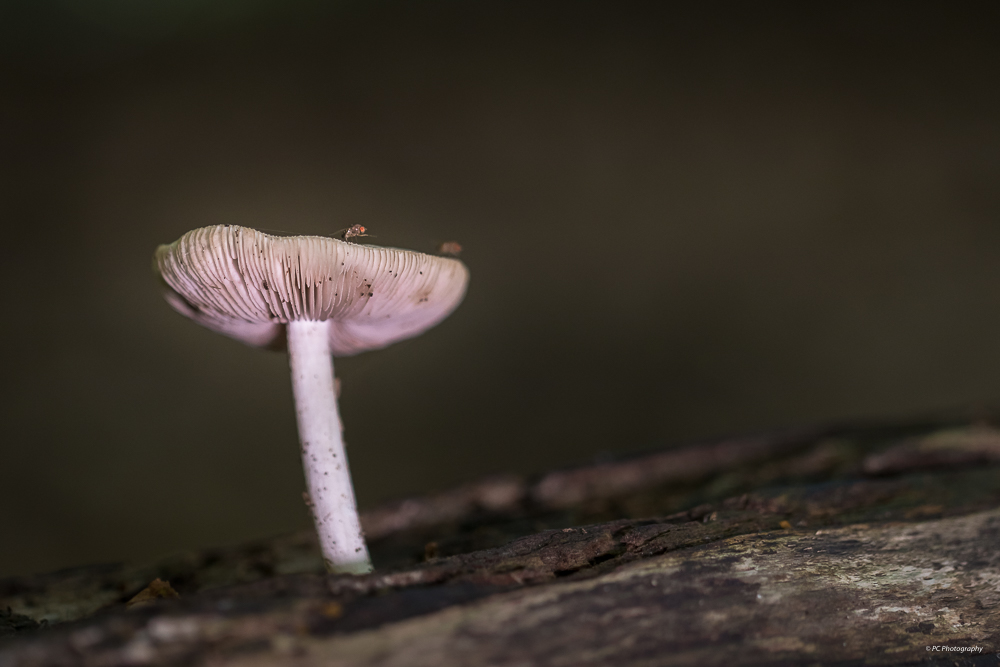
[[866, 544]]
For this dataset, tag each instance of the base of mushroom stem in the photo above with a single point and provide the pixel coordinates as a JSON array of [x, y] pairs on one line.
[[359, 567]]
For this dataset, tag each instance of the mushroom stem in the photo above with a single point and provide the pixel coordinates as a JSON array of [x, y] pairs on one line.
[[328, 479]]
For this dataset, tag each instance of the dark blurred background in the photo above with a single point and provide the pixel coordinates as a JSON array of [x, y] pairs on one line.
[[682, 220]]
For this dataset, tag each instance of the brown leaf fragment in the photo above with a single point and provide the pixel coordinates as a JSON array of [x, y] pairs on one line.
[[332, 610], [157, 589], [925, 512]]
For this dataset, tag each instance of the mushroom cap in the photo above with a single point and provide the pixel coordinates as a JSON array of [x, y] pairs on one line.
[[248, 285]]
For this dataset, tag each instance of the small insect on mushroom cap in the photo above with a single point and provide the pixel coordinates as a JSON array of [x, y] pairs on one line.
[[449, 248], [355, 231]]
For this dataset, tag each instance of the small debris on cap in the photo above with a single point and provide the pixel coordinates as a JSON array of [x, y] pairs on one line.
[[452, 248]]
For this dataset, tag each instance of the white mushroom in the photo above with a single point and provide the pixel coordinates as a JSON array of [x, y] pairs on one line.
[[326, 298]]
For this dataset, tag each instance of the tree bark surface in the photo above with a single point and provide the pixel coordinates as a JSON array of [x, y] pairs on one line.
[[842, 545]]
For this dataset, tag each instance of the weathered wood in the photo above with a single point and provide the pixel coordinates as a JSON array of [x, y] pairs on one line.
[[779, 549], [864, 594]]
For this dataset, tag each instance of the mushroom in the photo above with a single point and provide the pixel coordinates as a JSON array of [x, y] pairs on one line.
[[322, 297]]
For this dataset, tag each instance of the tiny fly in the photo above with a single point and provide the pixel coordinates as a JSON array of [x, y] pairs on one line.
[[353, 231]]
